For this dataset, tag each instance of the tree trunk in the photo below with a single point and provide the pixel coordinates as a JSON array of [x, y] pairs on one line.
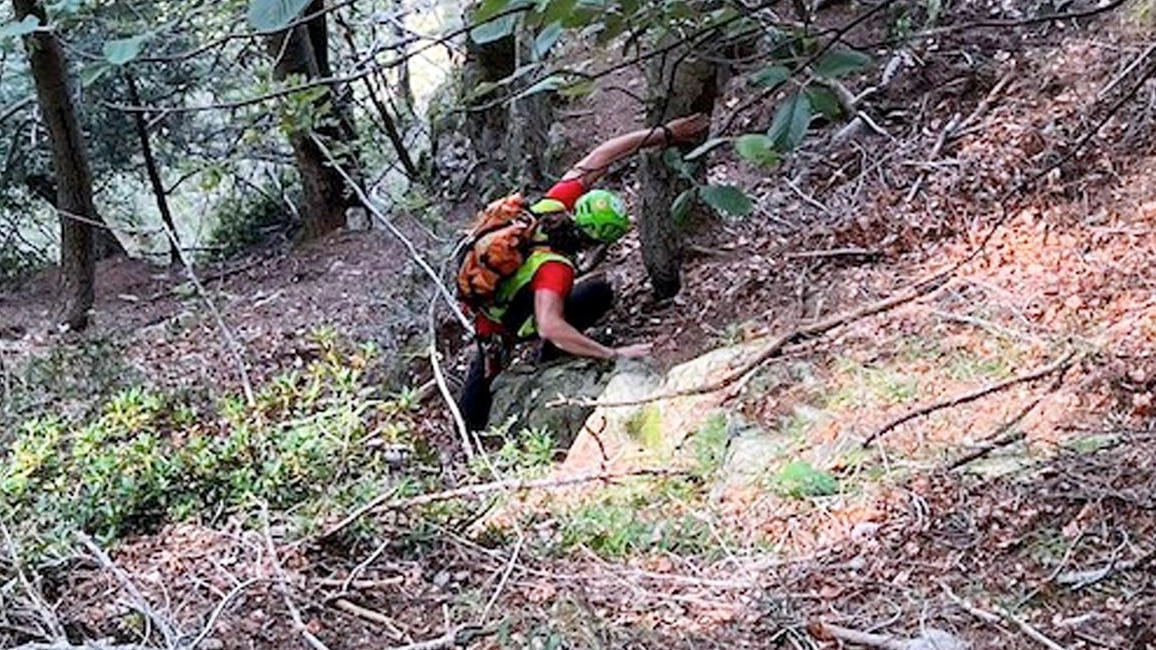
[[679, 84], [486, 124], [105, 243], [303, 50], [153, 172], [529, 132], [70, 161]]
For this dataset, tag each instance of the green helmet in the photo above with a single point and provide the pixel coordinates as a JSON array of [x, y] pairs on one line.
[[601, 215]]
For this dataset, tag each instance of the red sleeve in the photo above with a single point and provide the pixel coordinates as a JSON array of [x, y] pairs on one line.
[[556, 277], [567, 192]]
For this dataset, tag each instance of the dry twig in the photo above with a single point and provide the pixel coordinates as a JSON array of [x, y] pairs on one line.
[[775, 347], [1003, 615], [281, 586], [383, 502], [971, 396], [169, 631], [931, 639]]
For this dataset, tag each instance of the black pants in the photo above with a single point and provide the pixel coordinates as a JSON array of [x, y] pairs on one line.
[[587, 302]]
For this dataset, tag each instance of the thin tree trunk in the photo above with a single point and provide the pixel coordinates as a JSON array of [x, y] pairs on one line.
[[529, 132], [70, 160], [303, 50], [487, 128], [391, 131], [153, 172], [678, 85]]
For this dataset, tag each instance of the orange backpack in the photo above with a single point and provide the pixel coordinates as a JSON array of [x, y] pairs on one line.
[[496, 247]]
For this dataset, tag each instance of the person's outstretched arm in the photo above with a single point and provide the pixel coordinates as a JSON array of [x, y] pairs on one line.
[[552, 326], [595, 164]]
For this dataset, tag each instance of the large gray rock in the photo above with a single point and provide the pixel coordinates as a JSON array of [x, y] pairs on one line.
[[522, 395]]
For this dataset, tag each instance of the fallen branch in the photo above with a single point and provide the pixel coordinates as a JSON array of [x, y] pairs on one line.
[[384, 502], [971, 396], [168, 630], [775, 347], [1076, 580], [1004, 435], [458, 637], [929, 639], [1003, 615], [834, 252], [282, 580], [370, 615]]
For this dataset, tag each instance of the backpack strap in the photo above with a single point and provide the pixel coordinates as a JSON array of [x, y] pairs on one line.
[[520, 280]]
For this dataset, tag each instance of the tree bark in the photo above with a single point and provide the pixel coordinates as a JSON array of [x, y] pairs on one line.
[[487, 127], [678, 84], [70, 160], [529, 132], [303, 50], [153, 172]]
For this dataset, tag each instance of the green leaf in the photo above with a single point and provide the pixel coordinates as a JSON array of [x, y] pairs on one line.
[[840, 62], [673, 159], [493, 30], [680, 209], [93, 73], [549, 84], [727, 199], [481, 90], [705, 148], [825, 102], [559, 11], [798, 479], [757, 149], [124, 50], [65, 6], [790, 123], [578, 89], [18, 29], [546, 39], [771, 76], [273, 15], [490, 8]]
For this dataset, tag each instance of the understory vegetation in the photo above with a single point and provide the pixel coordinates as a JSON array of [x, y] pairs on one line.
[[895, 295]]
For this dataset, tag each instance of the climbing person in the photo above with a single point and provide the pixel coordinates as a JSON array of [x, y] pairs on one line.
[[520, 270]]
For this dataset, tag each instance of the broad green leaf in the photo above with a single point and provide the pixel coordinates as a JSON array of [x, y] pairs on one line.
[[799, 479], [757, 149], [490, 8], [93, 73], [546, 39], [494, 29], [790, 123], [272, 15], [727, 199], [705, 148], [577, 89], [824, 101], [18, 29], [549, 84], [65, 6], [124, 50], [481, 90], [673, 159], [840, 62], [771, 76], [680, 209], [559, 11]]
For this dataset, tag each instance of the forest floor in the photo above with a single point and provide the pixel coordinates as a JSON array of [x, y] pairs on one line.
[[1045, 539]]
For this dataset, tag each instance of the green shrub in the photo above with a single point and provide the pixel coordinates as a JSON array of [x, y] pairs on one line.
[[799, 479], [146, 458], [245, 219]]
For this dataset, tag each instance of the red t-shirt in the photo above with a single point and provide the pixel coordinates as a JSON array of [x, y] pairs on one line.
[[555, 277]]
